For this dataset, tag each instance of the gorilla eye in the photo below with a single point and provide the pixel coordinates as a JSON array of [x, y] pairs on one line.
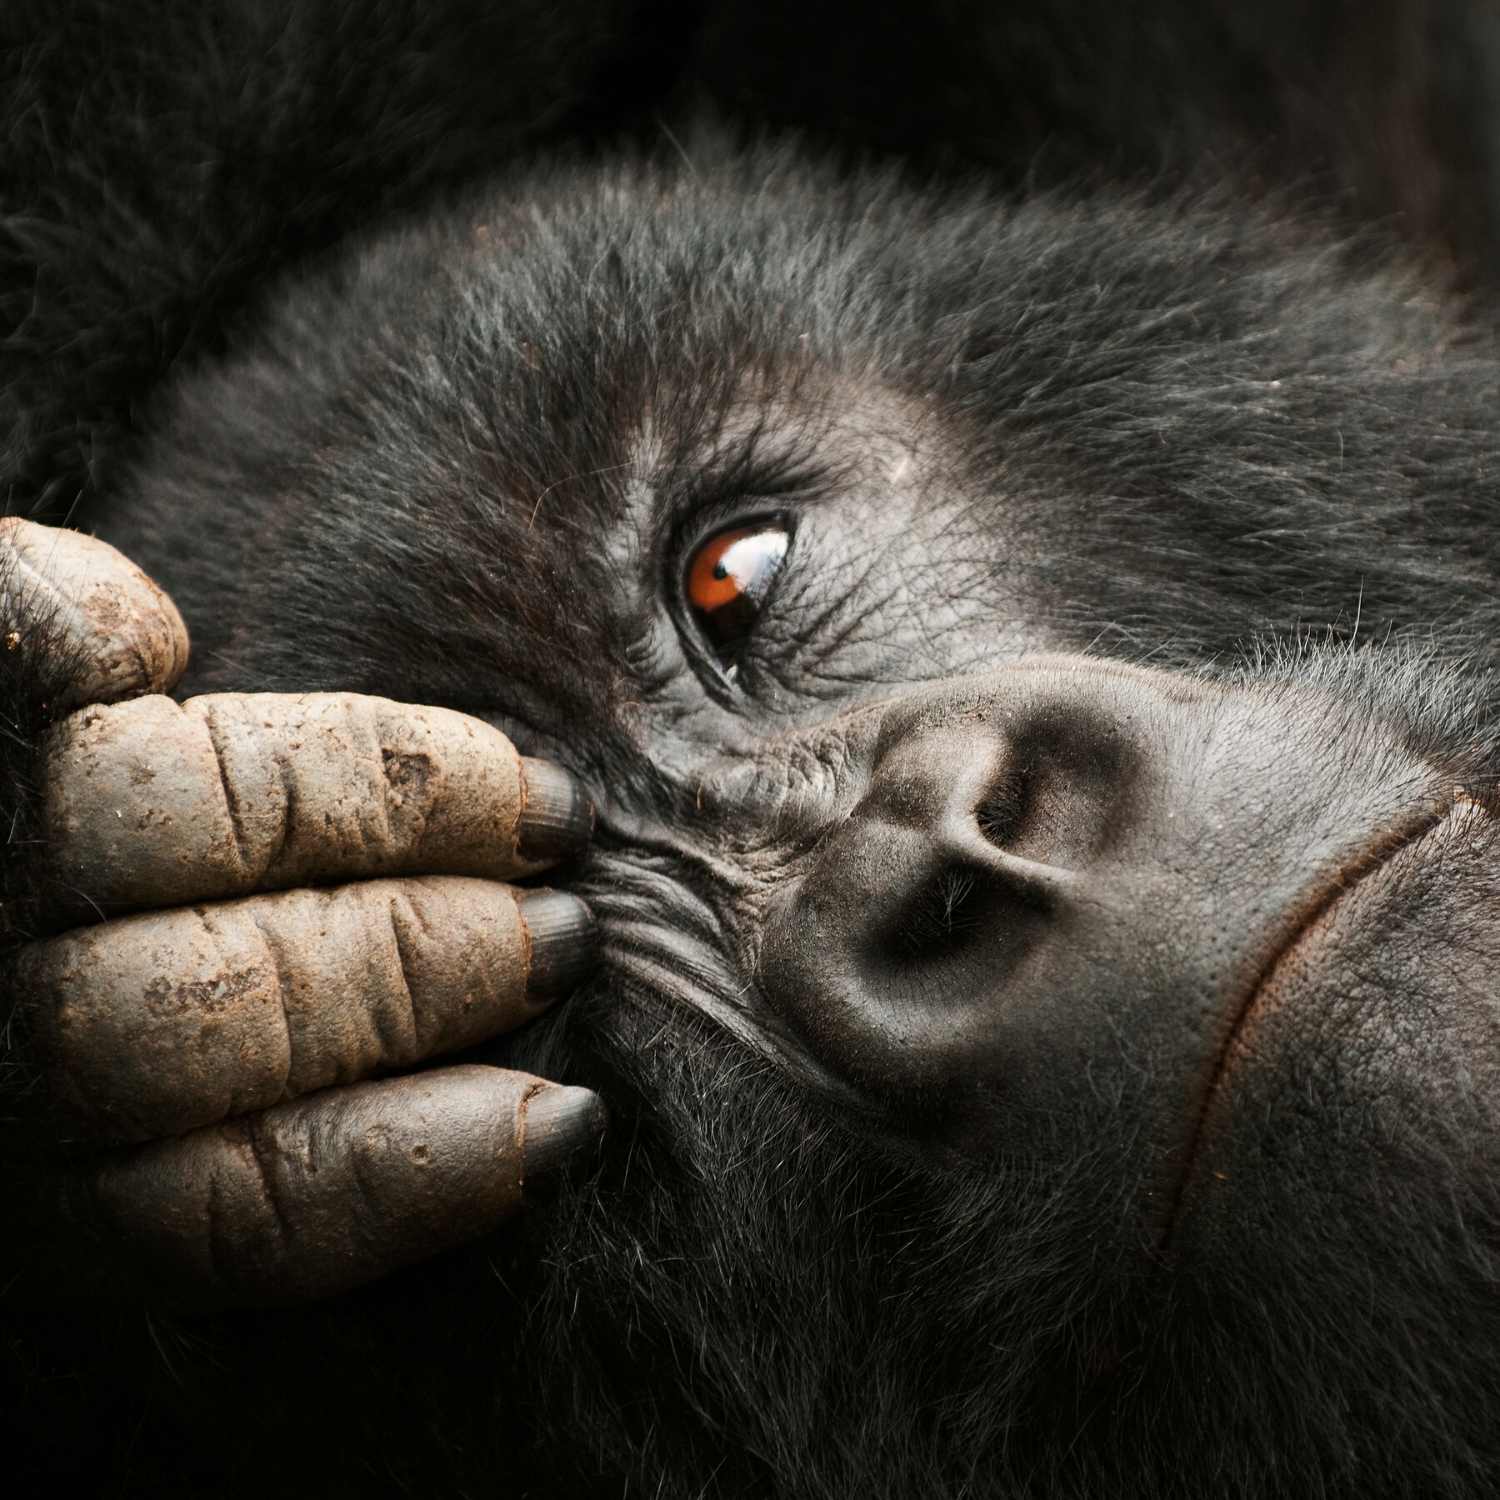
[[729, 579]]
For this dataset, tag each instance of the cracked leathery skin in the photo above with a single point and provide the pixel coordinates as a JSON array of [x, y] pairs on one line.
[[126, 633], [153, 803]]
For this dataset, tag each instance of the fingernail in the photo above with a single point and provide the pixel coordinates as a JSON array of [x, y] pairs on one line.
[[559, 1122], [556, 818], [564, 942]]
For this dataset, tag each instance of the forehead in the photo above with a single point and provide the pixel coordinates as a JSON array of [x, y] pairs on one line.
[[481, 437], [639, 377]]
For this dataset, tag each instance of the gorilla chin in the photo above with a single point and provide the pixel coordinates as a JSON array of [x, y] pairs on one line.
[[1166, 1119]]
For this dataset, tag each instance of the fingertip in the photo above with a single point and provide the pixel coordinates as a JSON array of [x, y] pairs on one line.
[[557, 818], [560, 1122], [563, 941], [128, 634]]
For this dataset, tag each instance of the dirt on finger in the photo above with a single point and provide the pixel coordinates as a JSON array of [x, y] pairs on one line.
[[72, 596]]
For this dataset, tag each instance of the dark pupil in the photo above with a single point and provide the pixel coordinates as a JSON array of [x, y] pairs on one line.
[[720, 571], [729, 626]]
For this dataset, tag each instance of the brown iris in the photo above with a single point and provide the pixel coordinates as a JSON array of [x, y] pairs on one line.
[[729, 578]]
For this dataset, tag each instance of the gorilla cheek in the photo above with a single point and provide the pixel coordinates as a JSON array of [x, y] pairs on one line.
[[1065, 881]]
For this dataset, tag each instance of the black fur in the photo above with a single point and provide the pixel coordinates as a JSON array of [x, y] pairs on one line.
[[459, 465]]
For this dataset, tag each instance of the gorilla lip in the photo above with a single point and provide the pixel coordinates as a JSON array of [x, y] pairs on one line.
[[1321, 897]]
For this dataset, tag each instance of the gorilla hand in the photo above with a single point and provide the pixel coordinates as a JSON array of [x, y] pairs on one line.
[[204, 1062]]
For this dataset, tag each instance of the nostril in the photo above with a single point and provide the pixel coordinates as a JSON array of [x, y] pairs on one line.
[[1053, 803], [963, 905], [943, 917], [1007, 806]]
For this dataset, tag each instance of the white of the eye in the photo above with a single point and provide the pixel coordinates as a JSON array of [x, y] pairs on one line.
[[754, 561]]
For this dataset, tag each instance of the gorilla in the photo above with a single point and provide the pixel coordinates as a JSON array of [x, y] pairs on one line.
[[999, 679]]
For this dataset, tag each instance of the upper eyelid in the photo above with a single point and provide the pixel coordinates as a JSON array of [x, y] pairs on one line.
[[710, 495]]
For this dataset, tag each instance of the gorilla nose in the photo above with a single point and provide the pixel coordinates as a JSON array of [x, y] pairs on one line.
[[973, 851], [969, 848], [1063, 861]]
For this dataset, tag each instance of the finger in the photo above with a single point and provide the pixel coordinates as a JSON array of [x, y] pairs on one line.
[[64, 592], [316, 1196], [157, 1024], [154, 803]]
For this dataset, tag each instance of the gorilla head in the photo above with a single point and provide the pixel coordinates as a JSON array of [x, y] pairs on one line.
[[1032, 664]]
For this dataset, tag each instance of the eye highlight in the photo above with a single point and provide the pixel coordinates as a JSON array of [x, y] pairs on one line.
[[729, 578]]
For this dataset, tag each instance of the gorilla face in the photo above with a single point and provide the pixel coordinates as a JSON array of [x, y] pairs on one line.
[[1033, 667]]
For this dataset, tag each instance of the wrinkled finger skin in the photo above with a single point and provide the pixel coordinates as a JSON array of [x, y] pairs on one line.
[[328, 1192], [126, 634], [229, 1037], [156, 1024], [154, 803]]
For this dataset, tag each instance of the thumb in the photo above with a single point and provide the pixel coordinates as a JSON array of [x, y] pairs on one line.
[[70, 600]]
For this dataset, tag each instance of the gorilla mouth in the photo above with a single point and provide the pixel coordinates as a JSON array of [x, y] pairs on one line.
[[1291, 972]]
